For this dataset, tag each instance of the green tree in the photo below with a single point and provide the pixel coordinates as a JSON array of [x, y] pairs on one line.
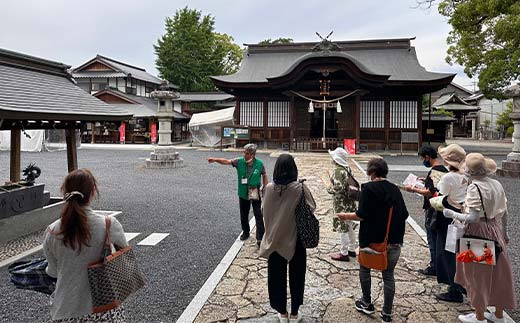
[[444, 112], [280, 40], [504, 120], [190, 51], [485, 39]]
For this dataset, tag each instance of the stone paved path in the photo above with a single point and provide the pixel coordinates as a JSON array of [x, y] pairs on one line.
[[331, 286]]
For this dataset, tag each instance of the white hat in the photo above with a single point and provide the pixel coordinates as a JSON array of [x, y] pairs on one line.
[[478, 165], [453, 155], [339, 155]]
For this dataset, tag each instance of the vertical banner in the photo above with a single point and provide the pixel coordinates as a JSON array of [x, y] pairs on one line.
[[122, 130], [350, 146], [153, 135]]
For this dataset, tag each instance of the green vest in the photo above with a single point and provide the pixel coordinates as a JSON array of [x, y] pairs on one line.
[[253, 178]]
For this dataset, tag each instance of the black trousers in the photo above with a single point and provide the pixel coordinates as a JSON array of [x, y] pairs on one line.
[[277, 279], [245, 206]]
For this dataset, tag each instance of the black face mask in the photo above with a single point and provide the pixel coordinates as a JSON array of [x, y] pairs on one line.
[[427, 163]]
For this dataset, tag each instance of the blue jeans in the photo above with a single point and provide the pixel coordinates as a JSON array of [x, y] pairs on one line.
[[394, 251]]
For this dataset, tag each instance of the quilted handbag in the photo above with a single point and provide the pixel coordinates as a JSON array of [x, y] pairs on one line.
[[113, 278], [375, 256], [31, 275], [307, 226]]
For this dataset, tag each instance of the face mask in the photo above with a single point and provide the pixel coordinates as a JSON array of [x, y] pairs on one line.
[[427, 163], [249, 161]]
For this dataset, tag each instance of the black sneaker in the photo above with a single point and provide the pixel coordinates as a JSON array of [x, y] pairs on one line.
[[363, 307], [352, 254], [385, 317], [451, 297], [244, 236], [428, 271]]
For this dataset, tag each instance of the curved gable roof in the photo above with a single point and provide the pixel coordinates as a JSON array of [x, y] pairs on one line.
[[395, 58]]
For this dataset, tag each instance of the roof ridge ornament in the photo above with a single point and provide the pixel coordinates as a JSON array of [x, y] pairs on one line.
[[325, 45]]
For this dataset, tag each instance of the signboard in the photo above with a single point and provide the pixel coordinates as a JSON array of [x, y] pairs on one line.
[[122, 130], [430, 131], [153, 135], [235, 133]]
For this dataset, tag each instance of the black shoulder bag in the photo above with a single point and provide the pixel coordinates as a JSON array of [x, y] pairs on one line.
[[307, 226]]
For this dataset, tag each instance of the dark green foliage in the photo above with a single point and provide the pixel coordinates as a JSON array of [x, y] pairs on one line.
[[504, 119], [280, 40], [190, 51], [485, 40]]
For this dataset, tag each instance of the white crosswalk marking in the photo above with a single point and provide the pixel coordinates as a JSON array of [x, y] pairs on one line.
[[153, 239], [130, 235]]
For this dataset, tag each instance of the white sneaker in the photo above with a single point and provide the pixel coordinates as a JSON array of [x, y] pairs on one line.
[[471, 318], [283, 319], [296, 320], [493, 318]]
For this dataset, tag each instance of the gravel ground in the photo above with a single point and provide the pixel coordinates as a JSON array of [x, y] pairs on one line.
[[197, 205]]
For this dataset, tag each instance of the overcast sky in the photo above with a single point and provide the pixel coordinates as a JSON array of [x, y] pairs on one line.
[[74, 31]]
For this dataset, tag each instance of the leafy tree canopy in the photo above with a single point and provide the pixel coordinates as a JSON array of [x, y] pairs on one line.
[[485, 40], [280, 40], [190, 51]]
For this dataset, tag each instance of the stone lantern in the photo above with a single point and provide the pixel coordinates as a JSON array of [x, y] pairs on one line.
[[164, 155], [511, 166]]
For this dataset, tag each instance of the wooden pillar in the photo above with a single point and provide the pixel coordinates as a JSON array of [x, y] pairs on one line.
[[72, 153], [93, 127], [387, 123], [292, 122], [357, 121], [15, 155], [419, 122], [266, 131], [237, 112]]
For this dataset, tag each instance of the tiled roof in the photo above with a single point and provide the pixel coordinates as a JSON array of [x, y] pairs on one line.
[[136, 72], [97, 74], [36, 89], [204, 96], [393, 57], [145, 107]]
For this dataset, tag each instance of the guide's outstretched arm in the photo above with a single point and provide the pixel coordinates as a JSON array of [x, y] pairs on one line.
[[221, 161]]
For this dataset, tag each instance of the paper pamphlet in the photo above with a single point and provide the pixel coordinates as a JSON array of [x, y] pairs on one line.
[[413, 180]]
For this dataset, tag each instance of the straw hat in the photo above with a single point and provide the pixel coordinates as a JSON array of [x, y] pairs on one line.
[[478, 165], [339, 155], [453, 155]]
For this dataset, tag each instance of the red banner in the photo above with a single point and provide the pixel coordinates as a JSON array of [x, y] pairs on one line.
[[153, 135], [122, 130], [350, 146]]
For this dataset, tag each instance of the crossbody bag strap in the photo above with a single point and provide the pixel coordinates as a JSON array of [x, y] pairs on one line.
[[107, 242], [481, 201], [388, 224]]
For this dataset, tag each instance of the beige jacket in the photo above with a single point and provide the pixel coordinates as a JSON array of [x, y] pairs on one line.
[[280, 203]]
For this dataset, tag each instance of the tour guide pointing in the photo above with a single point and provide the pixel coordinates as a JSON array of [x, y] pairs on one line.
[[252, 180]]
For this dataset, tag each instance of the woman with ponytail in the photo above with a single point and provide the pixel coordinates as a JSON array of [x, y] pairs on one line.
[[72, 243]]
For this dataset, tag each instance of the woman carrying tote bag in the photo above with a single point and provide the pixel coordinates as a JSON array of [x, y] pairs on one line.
[[485, 217], [72, 243], [378, 197], [280, 244]]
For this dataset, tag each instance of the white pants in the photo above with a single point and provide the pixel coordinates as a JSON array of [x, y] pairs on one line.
[[348, 241]]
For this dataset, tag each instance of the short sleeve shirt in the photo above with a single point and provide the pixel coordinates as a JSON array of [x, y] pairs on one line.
[[234, 163]]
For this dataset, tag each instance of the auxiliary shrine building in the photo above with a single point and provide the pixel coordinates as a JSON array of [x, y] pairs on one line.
[[288, 94]]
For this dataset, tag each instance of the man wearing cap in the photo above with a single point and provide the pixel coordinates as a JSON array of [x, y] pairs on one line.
[[252, 179], [342, 204]]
